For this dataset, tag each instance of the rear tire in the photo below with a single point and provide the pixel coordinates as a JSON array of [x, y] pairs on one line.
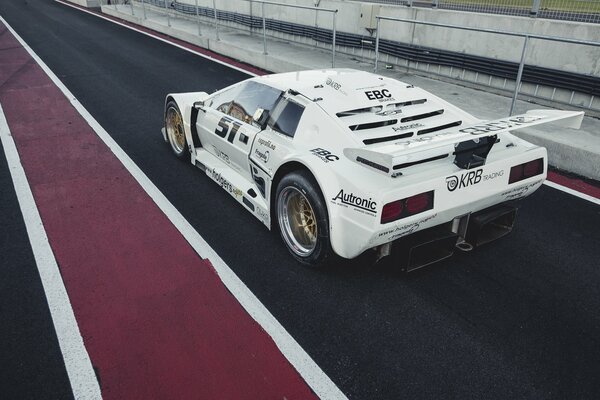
[[175, 130], [303, 220]]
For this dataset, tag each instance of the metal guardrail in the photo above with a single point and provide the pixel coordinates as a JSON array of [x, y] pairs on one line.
[[215, 14], [569, 10], [526, 37]]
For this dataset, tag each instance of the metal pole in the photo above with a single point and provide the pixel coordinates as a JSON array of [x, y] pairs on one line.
[[333, 42], [535, 8], [251, 19], [198, 19], [115, 3], [410, 3], [144, 8], [168, 16], [216, 19], [264, 29], [131, 5], [434, 4], [519, 76], [377, 43]]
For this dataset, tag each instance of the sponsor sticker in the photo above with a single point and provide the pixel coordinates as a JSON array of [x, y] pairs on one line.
[[335, 85], [519, 191], [403, 230], [382, 95], [360, 204], [470, 178], [407, 127], [324, 155], [499, 125], [262, 155], [224, 183], [267, 144]]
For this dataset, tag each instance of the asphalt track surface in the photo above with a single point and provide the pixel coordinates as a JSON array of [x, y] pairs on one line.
[[519, 318]]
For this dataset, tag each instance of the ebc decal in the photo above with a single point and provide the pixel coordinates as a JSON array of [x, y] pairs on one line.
[[381, 95], [225, 126], [324, 155]]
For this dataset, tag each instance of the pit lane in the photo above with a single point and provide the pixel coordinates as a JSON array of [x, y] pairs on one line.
[[518, 318]]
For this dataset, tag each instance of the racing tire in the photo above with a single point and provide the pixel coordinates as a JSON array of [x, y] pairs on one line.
[[175, 130], [303, 220]]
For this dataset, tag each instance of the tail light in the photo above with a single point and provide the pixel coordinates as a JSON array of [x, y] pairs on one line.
[[526, 170], [406, 207]]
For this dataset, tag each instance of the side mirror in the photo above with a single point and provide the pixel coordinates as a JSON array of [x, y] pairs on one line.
[[261, 116]]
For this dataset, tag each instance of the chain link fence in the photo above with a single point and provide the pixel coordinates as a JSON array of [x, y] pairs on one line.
[[569, 10]]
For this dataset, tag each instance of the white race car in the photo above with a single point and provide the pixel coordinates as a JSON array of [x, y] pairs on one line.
[[344, 161]]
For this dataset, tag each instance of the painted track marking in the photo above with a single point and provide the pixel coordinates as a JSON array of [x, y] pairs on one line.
[[77, 361], [318, 381]]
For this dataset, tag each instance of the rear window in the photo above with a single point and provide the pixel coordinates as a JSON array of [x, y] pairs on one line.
[[285, 117]]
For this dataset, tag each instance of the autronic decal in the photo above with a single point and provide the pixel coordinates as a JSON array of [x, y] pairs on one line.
[[357, 202]]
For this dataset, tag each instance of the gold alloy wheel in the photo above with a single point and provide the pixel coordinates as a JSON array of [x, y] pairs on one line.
[[297, 221], [175, 130]]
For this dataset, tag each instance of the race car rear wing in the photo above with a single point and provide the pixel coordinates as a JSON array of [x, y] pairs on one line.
[[476, 140]]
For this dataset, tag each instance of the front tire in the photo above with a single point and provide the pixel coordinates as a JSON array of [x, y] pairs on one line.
[[175, 130], [303, 220]]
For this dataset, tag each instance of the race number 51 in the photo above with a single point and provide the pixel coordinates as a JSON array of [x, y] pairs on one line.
[[227, 125]]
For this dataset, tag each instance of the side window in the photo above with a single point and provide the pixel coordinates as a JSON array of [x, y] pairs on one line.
[[253, 95], [222, 101], [285, 117]]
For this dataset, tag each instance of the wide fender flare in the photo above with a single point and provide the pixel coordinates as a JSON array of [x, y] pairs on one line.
[[328, 177]]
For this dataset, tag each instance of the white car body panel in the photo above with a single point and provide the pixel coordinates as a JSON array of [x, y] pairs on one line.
[[329, 140]]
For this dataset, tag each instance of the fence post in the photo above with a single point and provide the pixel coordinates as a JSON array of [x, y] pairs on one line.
[[144, 9], [434, 3], [168, 16], [198, 19], [535, 8], [519, 76], [264, 22], [333, 40], [410, 3], [131, 5], [115, 4], [251, 19], [377, 43], [216, 19]]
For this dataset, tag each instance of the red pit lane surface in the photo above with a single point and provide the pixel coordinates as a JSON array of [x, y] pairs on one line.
[[156, 320]]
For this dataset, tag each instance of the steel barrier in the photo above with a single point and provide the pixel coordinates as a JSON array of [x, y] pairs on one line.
[[525, 36], [569, 10], [263, 23]]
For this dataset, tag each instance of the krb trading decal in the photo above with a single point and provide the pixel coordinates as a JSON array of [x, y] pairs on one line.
[[364, 205], [454, 182]]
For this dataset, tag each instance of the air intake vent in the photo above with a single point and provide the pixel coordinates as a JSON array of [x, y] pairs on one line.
[[372, 125], [387, 138], [372, 164], [439, 128], [422, 116], [379, 109]]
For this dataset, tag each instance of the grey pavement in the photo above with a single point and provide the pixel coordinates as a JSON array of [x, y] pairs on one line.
[[575, 151]]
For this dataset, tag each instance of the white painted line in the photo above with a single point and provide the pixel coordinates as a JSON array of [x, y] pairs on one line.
[[158, 38], [318, 381], [572, 192], [77, 361], [554, 185]]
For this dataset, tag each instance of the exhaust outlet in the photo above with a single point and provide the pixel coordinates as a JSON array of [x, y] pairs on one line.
[[421, 253], [491, 224]]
